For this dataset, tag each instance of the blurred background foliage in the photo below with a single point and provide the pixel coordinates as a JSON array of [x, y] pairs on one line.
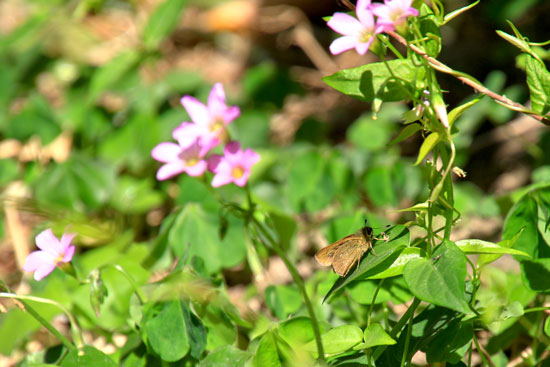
[[88, 88]]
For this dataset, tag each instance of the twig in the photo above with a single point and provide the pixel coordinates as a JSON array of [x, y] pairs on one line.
[[437, 65]]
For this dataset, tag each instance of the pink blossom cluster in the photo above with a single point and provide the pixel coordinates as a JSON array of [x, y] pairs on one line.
[[360, 32], [52, 253], [197, 138]]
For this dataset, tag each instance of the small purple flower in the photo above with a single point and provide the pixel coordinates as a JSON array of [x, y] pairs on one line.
[[209, 121], [53, 252], [234, 166], [179, 158], [393, 13], [358, 33]]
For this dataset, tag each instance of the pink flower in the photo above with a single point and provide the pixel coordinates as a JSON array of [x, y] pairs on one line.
[[358, 33], [234, 166], [53, 252], [393, 13], [209, 121], [179, 158]]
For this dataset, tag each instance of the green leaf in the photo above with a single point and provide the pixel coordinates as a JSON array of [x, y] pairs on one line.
[[296, 331], [77, 183], [538, 80], [37, 117], [428, 144], [536, 274], [221, 330], [514, 309], [194, 233], [483, 247], [375, 335], [109, 74], [362, 291], [547, 326], [306, 183], [163, 21], [282, 300], [524, 216], [450, 343], [369, 134], [266, 354], [370, 265], [338, 340], [457, 111], [396, 268], [406, 133], [375, 80], [225, 356], [518, 42], [134, 196], [87, 357], [166, 331], [429, 27], [196, 332], [450, 16], [440, 281]]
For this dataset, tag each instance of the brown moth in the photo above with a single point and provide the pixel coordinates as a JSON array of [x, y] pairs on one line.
[[346, 252]]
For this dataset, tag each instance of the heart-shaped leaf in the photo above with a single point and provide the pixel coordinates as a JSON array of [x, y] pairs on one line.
[[439, 281]]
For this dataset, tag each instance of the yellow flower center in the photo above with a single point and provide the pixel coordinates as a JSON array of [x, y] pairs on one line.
[[191, 162], [237, 172], [365, 36], [216, 125]]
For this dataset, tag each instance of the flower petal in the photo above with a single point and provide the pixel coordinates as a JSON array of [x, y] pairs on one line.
[[345, 24], [68, 254], [196, 169], [213, 162], [241, 181], [166, 152], [66, 240], [250, 158], [363, 47], [342, 44], [187, 133], [364, 13], [197, 110], [43, 270], [216, 100], [47, 241], [169, 170], [232, 153], [230, 114], [36, 259], [221, 179]]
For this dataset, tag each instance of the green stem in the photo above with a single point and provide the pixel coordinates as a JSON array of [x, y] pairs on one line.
[[393, 49], [300, 283], [407, 340], [139, 292], [486, 362], [373, 300], [398, 326], [295, 276], [77, 336], [536, 309]]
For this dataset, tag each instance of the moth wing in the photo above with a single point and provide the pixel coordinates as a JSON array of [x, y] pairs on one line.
[[325, 255], [346, 257]]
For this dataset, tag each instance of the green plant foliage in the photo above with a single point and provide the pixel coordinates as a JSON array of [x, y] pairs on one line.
[[375, 80], [87, 357], [216, 264], [439, 280]]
